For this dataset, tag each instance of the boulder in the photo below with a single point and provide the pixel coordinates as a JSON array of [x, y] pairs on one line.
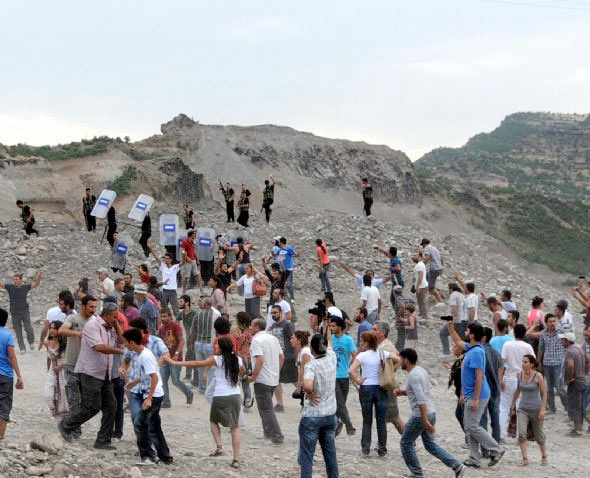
[[48, 443]]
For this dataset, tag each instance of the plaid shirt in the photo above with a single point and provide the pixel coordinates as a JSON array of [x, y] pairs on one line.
[[553, 351], [323, 373]]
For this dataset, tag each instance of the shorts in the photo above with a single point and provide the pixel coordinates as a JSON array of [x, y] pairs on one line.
[[431, 278], [392, 408], [189, 268], [6, 389]]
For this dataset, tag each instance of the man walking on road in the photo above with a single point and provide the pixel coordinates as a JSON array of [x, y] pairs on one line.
[[19, 308]]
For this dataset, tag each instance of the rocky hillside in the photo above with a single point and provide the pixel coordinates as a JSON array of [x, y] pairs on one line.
[[187, 159], [526, 182]]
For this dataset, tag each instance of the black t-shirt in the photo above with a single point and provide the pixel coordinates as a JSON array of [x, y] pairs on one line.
[[225, 279], [368, 192]]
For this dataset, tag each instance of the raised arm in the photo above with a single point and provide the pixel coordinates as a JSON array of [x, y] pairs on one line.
[[347, 268], [272, 180], [385, 252], [37, 279], [457, 340], [461, 282], [154, 253]]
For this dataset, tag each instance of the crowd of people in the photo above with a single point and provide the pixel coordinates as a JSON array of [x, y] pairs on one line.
[[114, 348]]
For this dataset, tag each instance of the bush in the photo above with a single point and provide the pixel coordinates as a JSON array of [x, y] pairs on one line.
[[122, 185], [97, 145]]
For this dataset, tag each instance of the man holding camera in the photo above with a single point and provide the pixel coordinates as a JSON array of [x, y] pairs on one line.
[[318, 417]]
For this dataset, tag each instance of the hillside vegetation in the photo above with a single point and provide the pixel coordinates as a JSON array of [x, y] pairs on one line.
[[527, 183]]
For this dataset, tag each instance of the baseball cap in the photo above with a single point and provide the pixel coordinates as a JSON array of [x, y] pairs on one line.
[[110, 298], [569, 336], [102, 270], [141, 289]]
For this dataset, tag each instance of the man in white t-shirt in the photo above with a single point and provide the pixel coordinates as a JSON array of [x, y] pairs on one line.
[[169, 273], [371, 299], [147, 422], [267, 360], [457, 306], [278, 298], [106, 285], [471, 302], [420, 284], [564, 317], [512, 354]]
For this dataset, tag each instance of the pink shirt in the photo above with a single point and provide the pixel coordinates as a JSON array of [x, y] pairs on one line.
[[535, 315], [91, 362]]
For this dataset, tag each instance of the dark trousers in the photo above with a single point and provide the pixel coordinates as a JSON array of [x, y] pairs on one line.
[[18, 321], [119, 391], [229, 209], [148, 427], [493, 409], [111, 229], [342, 387], [459, 410], [90, 221], [97, 395], [367, 206], [143, 240], [207, 269], [267, 210], [29, 228], [373, 396], [270, 424]]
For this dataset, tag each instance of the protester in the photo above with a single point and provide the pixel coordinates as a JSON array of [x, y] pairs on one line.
[[512, 354], [318, 416], [55, 391], [367, 196], [189, 264], [283, 330], [345, 351], [532, 407], [228, 196], [95, 368], [286, 257], [321, 252], [186, 317], [244, 337], [564, 316], [300, 344], [457, 305], [423, 419], [435, 268], [251, 300], [65, 306], [169, 271], [19, 308], [189, 217], [218, 300], [28, 218], [400, 304], [171, 334], [147, 309], [147, 422], [536, 312], [277, 298], [201, 335], [8, 368], [244, 208], [267, 360], [370, 300], [455, 380], [395, 266], [360, 317], [420, 284], [411, 327], [371, 394], [575, 379], [106, 285]]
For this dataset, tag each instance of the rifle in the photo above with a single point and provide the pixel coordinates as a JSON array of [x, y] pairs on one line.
[[221, 186]]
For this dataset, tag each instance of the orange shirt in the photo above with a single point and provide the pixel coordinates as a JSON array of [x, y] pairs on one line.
[[323, 255]]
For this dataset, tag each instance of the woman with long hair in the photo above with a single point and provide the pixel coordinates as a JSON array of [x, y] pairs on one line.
[[55, 391], [226, 404], [371, 394], [531, 409], [251, 301], [536, 313], [244, 337], [218, 300], [321, 252], [300, 342]]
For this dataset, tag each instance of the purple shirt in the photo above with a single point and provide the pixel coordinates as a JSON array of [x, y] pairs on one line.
[[91, 362]]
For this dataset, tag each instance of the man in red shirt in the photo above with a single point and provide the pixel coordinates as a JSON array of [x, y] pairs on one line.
[[188, 263], [171, 334]]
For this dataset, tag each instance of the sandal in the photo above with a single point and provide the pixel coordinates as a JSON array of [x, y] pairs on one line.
[[525, 461], [218, 451], [235, 464], [544, 461]]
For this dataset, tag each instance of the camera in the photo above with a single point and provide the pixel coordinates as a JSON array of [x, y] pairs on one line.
[[446, 318], [319, 309], [298, 394]]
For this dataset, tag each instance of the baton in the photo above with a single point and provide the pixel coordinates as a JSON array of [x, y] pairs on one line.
[[104, 233]]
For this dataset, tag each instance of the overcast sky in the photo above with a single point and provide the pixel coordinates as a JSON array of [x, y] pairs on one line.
[[410, 74]]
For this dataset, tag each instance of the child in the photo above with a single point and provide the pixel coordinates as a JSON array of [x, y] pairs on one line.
[[55, 391], [147, 423], [411, 327]]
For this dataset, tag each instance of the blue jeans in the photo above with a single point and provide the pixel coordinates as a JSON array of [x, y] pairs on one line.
[[202, 351], [167, 371], [290, 284], [412, 430], [369, 396], [552, 377], [324, 279], [312, 429], [149, 431], [135, 403], [494, 410]]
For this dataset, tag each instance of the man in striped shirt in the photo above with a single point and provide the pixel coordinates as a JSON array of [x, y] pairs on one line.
[[202, 335]]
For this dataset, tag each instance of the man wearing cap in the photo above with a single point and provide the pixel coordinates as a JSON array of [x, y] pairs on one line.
[[345, 351], [575, 379], [147, 309], [566, 321], [435, 263], [106, 285]]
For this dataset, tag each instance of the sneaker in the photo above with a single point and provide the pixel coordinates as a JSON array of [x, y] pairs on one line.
[[351, 432], [471, 464], [147, 461], [189, 399], [339, 428], [459, 472], [574, 433], [279, 408], [166, 405], [495, 459], [23, 351]]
